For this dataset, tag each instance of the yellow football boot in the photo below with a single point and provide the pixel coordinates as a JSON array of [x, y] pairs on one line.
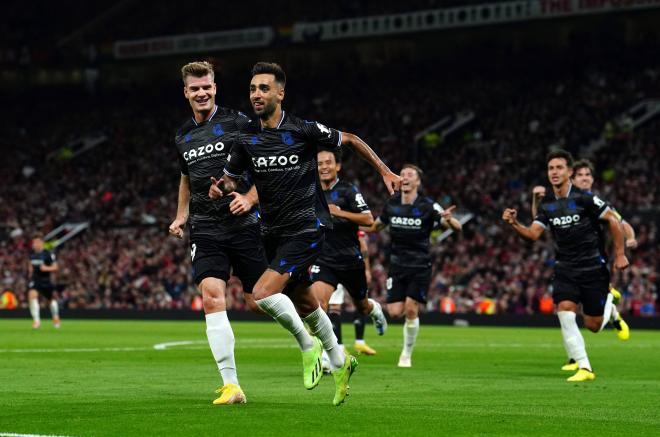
[[230, 394], [363, 348], [621, 327], [571, 366], [582, 375]]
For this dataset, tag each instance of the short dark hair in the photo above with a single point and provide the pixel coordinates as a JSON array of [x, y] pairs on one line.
[[335, 151], [419, 171], [584, 163], [270, 68], [560, 153]]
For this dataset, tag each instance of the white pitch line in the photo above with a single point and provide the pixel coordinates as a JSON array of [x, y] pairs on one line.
[[163, 346], [9, 434]]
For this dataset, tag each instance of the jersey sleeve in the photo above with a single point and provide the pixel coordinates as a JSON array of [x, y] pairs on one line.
[[356, 201], [238, 160], [49, 259], [320, 135], [594, 205], [542, 217]]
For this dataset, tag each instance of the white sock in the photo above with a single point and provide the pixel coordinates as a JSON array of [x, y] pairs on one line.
[[321, 326], [607, 311], [358, 342], [54, 308], [280, 308], [34, 310], [410, 330], [376, 310], [615, 314], [573, 339], [221, 341]]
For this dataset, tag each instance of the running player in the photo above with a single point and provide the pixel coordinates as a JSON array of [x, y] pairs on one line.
[[411, 219], [583, 171], [282, 157], [581, 273], [341, 260], [224, 233], [42, 264]]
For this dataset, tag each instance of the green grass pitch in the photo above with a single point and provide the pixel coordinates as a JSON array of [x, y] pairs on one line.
[[94, 378]]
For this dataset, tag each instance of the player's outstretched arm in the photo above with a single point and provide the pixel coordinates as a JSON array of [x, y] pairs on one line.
[[629, 234], [391, 180], [222, 187], [620, 260], [449, 221], [531, 233], [176, 228]]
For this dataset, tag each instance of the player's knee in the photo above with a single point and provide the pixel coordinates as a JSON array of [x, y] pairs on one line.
[[32, 294], [252, 305], [395, 313]]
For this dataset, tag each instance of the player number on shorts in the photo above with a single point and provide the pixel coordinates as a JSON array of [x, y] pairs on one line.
[[388, 284], [315, 269], [193, 249]]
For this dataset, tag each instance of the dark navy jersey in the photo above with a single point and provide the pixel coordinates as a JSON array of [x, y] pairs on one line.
[[37, 259], [575, 225], [410, 229], [203, 149], [341, 248], [282, 161]]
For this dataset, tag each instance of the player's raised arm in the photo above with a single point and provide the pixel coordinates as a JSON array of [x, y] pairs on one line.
[[176, 228], [448, 221], [532, 232], [620, 260], [629, 234], [538, 192], [392, 181]]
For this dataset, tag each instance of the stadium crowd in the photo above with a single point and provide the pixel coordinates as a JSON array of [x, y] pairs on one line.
[[126, 186]]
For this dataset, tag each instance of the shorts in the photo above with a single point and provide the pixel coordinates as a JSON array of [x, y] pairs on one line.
[[46, 290], [215, 252], [354, 280], [412, 282], [294, 255], [590, 288]]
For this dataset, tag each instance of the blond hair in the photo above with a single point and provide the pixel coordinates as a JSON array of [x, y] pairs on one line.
[[197, 69]]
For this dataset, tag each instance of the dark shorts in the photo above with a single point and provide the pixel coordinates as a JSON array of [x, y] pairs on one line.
[[44, 289], [294, 255], [215, 252], [353, 279], [412, 282], [589, 288]]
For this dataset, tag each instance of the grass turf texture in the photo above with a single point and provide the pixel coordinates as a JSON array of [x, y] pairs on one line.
[[108, 380]]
